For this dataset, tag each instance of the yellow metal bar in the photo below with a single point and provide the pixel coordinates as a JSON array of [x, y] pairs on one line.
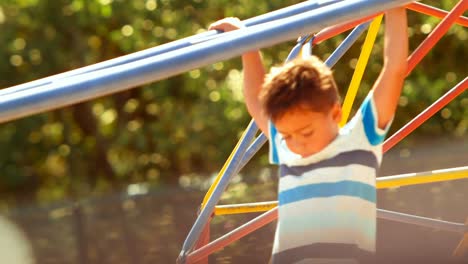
[[382, 183], [245, 208], [221, 172], [462, 247], [422, 177], [360, 67]]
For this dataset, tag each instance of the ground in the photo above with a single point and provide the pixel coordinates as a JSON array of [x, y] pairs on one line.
[[151, 228]]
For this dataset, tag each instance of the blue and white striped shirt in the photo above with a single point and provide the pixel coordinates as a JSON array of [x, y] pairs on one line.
[[327, 201]]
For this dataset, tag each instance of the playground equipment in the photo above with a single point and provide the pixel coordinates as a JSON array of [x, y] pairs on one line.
[[241, 154], [328, 18]]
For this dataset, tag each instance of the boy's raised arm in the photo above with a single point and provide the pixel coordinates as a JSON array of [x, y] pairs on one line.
[[254, 74], [389, 84]]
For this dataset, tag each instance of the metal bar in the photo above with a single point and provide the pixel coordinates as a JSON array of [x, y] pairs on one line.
[[381, 183], [186, 42], [340, 28], [178, 44], [436, 34], [421, 221], [207, 211], [462, 246], [203, 241], [107, 81], [234, 235], [425, 115], [436, 12], [252, 150], [360, 67], [346, 44], [171, 46], [245, 208], [422, 177], [321, 36], [235, 151]]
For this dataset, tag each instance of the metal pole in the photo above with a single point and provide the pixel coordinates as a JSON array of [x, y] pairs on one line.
[[203, 241], [360, 68], [382, 183], [462, 246], [171, 46], [207, 211], [346, 44], [421, 221], [425, 115], [234, 235], [107, 81], [436, 34], [252, 150], [436, 12]]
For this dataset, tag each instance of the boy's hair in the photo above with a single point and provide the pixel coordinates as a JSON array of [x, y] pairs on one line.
[[306, 83]]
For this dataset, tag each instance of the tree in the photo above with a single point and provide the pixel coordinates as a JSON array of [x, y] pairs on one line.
[[185, 125]]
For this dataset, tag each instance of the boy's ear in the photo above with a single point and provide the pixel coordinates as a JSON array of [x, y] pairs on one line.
[[336, 113]]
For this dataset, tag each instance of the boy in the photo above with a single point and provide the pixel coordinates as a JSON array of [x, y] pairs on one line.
[[327, 196]]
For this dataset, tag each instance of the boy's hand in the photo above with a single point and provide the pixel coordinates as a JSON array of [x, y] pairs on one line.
[[227, 24]]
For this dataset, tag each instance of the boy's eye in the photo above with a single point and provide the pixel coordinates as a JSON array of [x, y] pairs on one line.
[[308, 134]]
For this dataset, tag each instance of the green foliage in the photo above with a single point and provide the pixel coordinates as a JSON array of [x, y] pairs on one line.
[[184, 125]]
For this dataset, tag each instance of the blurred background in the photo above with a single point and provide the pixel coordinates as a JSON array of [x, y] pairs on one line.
[[119, 179]]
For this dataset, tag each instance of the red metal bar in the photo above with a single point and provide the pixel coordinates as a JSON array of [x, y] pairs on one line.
[[234, 235], [203, 241], [462, 247], [436, 12], [436, 34], [340, 28], [426, 114]]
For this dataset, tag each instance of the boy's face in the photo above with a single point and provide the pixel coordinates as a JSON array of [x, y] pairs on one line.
[[307, 132]]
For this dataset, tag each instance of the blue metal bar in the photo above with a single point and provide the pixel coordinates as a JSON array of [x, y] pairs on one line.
[[252, 150], [294, 51], [107, 81], [346, 44], [307, 47], [207, 211], [171, 46]]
